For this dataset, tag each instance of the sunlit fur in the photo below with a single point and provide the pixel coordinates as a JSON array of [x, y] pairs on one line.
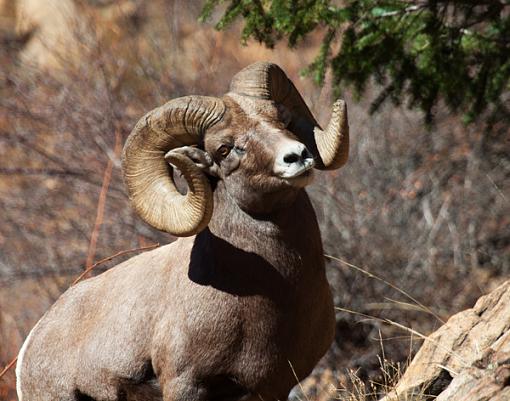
[[239, 311]]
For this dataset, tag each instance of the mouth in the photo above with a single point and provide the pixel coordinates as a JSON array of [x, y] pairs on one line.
[[304, 170], [300, 178]]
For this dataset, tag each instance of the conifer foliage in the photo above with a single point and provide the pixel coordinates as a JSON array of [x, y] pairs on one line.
[[419, 52]]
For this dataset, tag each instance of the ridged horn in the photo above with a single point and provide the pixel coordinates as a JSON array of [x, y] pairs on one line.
[[148, 176], [267, 81]]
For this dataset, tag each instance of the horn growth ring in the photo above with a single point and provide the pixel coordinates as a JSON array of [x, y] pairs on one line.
[[148, 176]]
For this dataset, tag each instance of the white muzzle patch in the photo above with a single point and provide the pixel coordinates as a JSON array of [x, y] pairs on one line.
[[292, 160]]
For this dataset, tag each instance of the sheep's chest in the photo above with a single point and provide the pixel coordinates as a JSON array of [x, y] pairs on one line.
[[254, 307], [252, 325]]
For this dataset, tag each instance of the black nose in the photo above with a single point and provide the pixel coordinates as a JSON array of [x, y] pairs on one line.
[[294, 157]]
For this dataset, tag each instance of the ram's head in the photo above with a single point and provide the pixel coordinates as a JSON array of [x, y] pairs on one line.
[[259, 141]]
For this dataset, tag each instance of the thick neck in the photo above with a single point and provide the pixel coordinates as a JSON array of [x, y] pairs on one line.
[[284, 245]]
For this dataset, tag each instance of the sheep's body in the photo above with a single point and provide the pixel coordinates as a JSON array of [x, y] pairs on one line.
[[221, 315], [241, 311]]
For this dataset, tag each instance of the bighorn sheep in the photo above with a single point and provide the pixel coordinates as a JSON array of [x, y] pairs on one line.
[[241, 309]]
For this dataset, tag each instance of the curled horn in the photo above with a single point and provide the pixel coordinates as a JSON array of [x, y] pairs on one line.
[[148, 176], [267, 81]]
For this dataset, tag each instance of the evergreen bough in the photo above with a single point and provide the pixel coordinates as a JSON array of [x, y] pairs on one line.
[[417, 51]]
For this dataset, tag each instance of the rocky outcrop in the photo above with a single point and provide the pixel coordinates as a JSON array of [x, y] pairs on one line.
[[466, 359], [57, 33]]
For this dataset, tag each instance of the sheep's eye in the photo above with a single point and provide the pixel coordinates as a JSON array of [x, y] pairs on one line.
[[224, 150]]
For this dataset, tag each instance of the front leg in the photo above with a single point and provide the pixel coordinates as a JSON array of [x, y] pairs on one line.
[[188, 387], [184, 387]]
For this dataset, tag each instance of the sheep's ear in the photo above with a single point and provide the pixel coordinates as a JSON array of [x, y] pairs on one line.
[[201, 158]]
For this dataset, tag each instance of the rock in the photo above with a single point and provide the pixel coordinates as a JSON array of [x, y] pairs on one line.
[[59, 33], [466, 359]]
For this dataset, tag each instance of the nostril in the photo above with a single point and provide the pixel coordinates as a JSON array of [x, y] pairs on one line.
[[291, 158]]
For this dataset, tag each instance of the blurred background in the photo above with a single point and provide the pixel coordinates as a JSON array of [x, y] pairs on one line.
[[423, 202]]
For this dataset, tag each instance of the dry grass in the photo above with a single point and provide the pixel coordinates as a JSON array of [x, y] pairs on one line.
[[350, 386]]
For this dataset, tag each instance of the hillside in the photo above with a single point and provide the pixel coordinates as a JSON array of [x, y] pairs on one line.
[[426, 210]]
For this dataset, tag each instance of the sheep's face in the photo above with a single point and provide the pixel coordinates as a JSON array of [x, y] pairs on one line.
[[260, 163], [252, 140]]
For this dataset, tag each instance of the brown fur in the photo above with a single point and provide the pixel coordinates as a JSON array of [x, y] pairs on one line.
[[225, 315]]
